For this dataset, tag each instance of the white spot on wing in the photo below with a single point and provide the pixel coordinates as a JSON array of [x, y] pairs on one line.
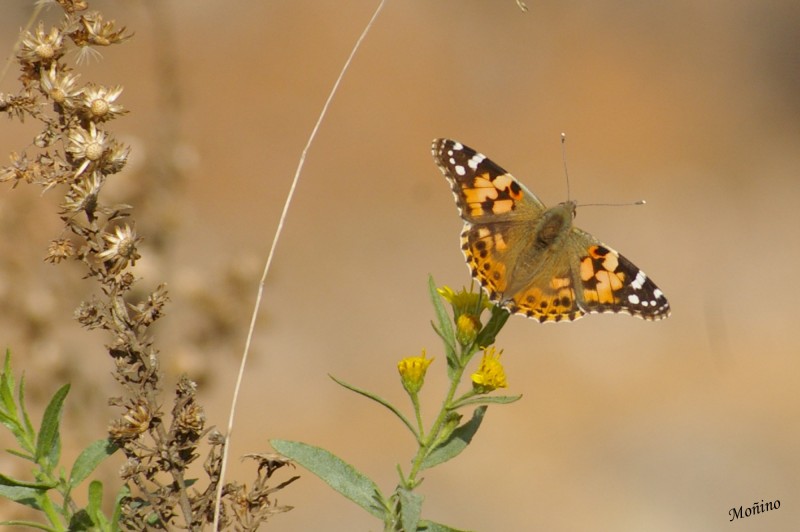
[[475, 160]]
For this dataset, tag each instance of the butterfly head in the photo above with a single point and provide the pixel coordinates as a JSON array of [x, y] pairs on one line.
[[570, 208]]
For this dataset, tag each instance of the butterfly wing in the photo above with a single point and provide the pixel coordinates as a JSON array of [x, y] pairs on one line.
[[484, 191], [611, 283], [497, 210]]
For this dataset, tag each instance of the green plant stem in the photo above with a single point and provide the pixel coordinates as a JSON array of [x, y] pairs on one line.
[[418, 413], [428, 441], [52, 514]]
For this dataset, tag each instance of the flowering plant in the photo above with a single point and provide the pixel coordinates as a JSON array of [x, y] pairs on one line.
[[448, 435]]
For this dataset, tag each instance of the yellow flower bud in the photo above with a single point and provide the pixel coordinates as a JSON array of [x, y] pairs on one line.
[[412, 372]]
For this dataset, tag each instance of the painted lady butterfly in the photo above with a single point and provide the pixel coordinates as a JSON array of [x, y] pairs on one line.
[[530, 259]]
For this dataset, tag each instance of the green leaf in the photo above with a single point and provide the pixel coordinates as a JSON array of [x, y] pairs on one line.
[[21, 454], [410, 508], [8, 413], [457, 442], [27, 524], [7, 387], [492, 328], [124, 493], [444, 328], [89, 459], [337, 473], [81, 521], [26, 493], [29, 430], [487, 399], [430, 526], [380, 401], [95, 496], [11, 424], [41, 486], [48, 443], [94, 508], [442, 315]]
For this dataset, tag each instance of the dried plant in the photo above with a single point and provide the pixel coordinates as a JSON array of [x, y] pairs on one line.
[[75, 153]]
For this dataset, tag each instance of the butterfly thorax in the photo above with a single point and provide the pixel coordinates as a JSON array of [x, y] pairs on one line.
[[547, 253], [554, 224]]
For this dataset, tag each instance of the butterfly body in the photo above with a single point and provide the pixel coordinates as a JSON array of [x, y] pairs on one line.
[[529, 258]]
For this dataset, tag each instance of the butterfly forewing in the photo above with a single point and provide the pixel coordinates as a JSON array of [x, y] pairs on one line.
[[484, 192]]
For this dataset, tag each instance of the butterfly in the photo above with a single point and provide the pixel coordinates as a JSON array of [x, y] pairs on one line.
[[529, 258]]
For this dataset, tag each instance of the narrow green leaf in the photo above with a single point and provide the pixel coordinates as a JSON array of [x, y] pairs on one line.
[[430, 526], [89, 459], [22, 495], [444, 328], [487, 399], [55, 454], [9, 417], [21, 454], [7, 387], [124, 493], [26, 524], [380, 401], [39, 486], [457, 442], [410, 508], [48, 440], [337, 473], [11, 424], [95, 495], [29, 430], [94, 508], [492, 328]]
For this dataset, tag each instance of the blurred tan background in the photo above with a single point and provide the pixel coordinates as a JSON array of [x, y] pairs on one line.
[[624, 425]]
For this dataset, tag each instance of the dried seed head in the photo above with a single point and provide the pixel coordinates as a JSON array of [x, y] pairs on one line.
[[90, 316], [59, 250], [191, 420], [85, 146], [116, 158], [121, 249], [98, 102], [134, 423], [82, 196], [41, 47], [60, 86]]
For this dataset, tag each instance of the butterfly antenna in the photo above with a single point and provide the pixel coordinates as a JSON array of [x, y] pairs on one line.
[[564, 160], [566, 174], [631, 204]]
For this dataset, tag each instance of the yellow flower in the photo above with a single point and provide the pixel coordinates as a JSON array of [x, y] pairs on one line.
[[412, 372], [490, 374], [467, 327], [465, 301]]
